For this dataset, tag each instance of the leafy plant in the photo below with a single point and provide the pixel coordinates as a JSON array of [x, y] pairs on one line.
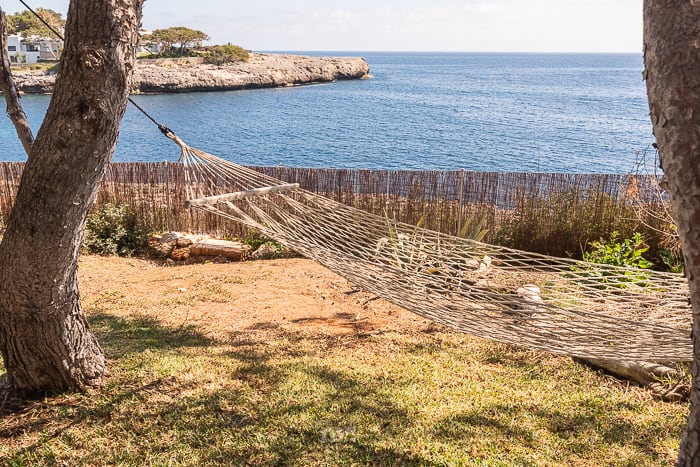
[[628, 253], [113, 230], [476, 232], [255, 239], [672, 260]]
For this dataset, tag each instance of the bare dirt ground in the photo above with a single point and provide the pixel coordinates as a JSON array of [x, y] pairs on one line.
[[219, 298]]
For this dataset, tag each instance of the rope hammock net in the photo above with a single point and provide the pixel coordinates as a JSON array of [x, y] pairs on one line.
[[557, 305], [515, 297]]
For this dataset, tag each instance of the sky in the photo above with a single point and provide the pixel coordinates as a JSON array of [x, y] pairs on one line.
[[401, 25]]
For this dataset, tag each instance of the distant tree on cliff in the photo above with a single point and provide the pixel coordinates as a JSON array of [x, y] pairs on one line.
[[222, 54], [26, 24], [176, 41]]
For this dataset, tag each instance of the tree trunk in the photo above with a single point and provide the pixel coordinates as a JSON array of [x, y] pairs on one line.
[[44, 338], [672, 59]]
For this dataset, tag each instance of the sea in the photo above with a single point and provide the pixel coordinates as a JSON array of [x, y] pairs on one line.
[[496, 112]]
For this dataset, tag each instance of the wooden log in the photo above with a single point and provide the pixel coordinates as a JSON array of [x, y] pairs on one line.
[[665, 382], [225, 248], [212, 200]]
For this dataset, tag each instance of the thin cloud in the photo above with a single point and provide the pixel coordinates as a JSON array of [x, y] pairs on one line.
[[411, 25]]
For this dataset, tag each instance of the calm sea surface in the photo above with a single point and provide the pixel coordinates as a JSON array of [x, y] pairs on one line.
[[486, 112]]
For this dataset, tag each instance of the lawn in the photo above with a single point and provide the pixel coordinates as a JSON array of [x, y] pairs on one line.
[[283, 363]]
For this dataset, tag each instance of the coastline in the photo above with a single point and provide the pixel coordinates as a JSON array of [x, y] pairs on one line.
[[263, 70]]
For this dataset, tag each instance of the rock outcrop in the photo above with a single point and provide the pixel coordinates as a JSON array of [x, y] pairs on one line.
[[261, 71]]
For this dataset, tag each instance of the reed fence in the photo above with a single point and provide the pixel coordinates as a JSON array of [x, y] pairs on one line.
[[551, 213]]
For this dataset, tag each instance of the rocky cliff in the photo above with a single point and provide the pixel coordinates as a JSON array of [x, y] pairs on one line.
[[261, 71]]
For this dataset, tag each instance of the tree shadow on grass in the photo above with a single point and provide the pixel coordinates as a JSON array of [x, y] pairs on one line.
[[312, 412], [54, 418], [119, 336], [278, 404], [278, 401], [592, 424], [253, 419], [484, 420], [284, 432]]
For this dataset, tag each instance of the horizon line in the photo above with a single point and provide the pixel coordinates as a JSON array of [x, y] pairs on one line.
[[443, 51]]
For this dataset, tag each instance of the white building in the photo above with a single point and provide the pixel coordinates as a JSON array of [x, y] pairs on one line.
[[145, 46], [31, 50]]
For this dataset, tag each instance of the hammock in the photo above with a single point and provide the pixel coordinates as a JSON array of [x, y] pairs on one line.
[[530, 300]]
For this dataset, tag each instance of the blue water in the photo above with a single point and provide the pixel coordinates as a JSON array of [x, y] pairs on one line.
[[582, 113]]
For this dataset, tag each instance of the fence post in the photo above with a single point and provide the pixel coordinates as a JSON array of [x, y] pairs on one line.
[[461, 202], [167, 195]]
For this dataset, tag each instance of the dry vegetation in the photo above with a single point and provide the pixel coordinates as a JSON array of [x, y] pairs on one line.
[[283, 363]]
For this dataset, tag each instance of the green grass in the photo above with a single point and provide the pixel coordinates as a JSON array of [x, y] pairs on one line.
[[280, 397]]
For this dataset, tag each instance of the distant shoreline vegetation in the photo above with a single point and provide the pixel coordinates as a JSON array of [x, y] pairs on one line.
[[172, 42], [174, 59], [181, 41]]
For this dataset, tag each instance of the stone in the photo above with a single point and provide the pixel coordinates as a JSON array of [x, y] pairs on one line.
[[273, 250], [154, 241], [472, 263], [184, 242], [530, 293], [264, 251], [169, 237], [165, 249], [159, 246], [485, 263], [180, 254]]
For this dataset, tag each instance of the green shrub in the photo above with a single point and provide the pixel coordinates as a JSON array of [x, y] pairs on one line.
[[628, 253], [113, 230], [254, 239], [672, 260], [222, 54]]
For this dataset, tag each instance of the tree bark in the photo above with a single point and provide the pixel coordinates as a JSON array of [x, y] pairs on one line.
[[44, 338], [672, 59]]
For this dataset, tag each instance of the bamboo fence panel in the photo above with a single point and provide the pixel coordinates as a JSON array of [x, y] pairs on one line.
[[553, 213]]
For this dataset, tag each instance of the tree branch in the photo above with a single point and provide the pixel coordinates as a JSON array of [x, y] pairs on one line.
[[8, 88]]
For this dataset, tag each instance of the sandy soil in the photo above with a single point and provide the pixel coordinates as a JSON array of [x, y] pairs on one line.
[[220, 298]]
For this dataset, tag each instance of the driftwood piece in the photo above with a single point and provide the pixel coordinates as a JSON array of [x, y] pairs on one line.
[[667, 382], [213, 247]]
